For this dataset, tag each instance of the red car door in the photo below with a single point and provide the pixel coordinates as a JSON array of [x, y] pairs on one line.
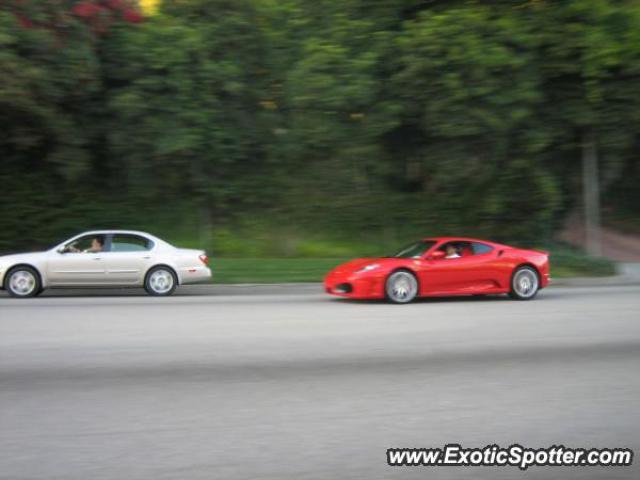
[[474, 272]]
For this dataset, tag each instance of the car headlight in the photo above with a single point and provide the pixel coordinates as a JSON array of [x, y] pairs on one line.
[[368, 268]]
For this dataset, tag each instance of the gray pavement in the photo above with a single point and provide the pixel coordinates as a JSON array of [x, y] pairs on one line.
[[283, 382]]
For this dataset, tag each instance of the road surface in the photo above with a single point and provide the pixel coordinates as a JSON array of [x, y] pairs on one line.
[[286, 383]]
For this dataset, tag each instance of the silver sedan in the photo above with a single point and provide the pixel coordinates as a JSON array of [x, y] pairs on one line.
[[105, 258]]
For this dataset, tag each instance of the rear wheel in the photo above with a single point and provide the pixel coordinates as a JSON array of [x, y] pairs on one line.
[[23, 282], [524, 284], [160, 281], [401, 287]]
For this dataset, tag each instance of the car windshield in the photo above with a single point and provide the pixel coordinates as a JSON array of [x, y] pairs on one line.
[[415, 250]]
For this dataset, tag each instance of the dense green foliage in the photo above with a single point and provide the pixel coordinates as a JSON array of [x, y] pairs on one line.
[[295, 127]]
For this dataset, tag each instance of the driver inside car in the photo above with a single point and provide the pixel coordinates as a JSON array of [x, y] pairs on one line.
[[97, 243], [452, 252]]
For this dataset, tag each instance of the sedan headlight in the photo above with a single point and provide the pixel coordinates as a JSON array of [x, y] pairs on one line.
[[368, 268]]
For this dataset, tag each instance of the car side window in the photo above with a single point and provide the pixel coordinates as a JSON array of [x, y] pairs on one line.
[[481, 248], [453, 250], [464, 249], [84, 244], [130, 243]]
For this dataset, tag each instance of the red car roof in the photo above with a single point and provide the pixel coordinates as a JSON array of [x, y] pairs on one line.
[[458, 239]]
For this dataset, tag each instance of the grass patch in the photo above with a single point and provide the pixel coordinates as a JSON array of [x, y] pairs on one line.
[[271, 270], [565, 262], [570, 262], [257, 254]]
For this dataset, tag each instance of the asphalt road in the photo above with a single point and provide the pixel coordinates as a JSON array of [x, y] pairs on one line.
[[281, 384]]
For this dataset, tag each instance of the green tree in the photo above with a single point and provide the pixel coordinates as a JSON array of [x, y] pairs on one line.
[[184, 101], [47, 81], [469, 86]]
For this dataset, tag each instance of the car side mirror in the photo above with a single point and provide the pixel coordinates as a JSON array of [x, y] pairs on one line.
[[437, 255]]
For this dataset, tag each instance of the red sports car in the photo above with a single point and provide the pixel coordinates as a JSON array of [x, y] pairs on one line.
[[443, 266]]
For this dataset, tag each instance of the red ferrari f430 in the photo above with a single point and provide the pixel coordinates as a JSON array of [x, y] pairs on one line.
[[444, 266]]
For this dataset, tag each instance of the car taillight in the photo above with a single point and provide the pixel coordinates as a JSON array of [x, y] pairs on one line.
[[204, 259]]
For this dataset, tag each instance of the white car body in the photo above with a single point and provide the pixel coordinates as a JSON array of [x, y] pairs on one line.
[[119, 266]]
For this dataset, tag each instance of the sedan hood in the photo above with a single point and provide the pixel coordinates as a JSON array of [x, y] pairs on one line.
[[22, 257]]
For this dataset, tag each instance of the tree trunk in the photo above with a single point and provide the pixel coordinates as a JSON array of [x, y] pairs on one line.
[[591, 193]]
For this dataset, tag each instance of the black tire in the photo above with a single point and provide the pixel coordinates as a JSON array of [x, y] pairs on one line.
[[160, 281], [401, 287], [23, 282], [525, 283]]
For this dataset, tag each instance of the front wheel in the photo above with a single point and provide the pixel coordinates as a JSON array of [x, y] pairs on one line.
[[524, 284], [23, 282], [401, 287], [160, 282]]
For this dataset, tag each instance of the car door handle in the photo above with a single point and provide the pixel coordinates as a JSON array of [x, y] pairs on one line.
[[146, 258], [97, 258]]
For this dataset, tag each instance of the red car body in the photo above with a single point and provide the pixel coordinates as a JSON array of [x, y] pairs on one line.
[[489, 271]]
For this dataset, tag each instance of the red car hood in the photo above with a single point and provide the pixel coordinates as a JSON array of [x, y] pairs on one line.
[[359, 263], [356, 264]]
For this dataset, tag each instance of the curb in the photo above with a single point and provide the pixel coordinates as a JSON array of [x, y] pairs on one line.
[[613, 281], [232, 289], [616, 280]]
